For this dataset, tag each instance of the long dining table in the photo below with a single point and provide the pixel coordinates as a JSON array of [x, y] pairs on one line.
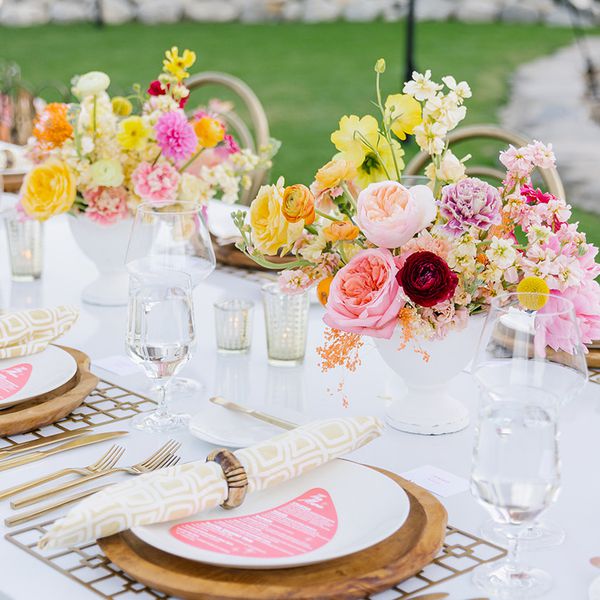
[[249, 379]]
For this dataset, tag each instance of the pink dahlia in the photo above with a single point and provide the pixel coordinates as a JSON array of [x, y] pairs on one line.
[[106, 205], [156, 183], [175, 136]]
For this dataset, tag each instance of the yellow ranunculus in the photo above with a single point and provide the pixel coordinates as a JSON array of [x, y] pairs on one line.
[[133, 133], [209, 132], [122, 107], [177, 65], [334, 173], [404, 114], [49, 189], [270, 230], [349, 138]]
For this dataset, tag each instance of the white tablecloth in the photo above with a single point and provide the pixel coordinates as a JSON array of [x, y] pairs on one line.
[[100, 332]]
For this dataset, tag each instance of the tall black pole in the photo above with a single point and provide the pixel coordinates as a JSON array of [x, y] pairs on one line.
[[410, 41]]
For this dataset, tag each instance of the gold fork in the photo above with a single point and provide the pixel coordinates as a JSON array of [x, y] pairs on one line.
[[106, 461], [168, 461], [142, 467]]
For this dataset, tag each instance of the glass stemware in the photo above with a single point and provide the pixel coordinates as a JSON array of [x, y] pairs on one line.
[[160, 337], [172, 237], [538, 352], [515, 476]]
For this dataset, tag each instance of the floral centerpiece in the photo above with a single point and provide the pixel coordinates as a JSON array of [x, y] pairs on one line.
[[99, 157], [412, 266]]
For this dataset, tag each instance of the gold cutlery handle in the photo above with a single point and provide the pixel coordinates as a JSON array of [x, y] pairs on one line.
[[38, 512], [17, 489], [281, 423], [33, 498], [21, 460]]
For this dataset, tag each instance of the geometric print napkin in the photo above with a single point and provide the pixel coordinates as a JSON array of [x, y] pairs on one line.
[[185, 490], [30, 331]]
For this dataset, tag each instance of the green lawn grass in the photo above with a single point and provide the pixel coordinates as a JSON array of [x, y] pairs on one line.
[[307, 76]]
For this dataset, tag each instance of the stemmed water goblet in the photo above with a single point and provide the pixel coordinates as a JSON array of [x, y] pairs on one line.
[[531, 347], [172, 237], [160, 337]]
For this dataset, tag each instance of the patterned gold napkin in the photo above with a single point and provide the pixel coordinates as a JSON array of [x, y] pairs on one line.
[[30, 331], [185, 490]]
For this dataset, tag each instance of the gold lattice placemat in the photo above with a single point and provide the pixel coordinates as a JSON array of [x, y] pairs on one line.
[[87, 565], [595, 375]]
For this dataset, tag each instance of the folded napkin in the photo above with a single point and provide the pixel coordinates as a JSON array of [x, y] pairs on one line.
[[185, 490], [30, 331], [219, 220]]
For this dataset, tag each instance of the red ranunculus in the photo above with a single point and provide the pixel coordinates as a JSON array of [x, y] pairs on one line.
[[427, 279]]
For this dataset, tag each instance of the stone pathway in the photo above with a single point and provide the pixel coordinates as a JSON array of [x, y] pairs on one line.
[[549, 103]]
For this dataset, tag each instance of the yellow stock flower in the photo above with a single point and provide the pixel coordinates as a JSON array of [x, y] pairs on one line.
[[349, 138], [404, 114], [133, 133], [121, 106], [177, 65], [49, 189], [270, 229]]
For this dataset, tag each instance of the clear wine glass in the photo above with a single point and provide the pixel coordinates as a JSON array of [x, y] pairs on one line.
[[160, 337], [531, 342], [515, 476], [172, 237]]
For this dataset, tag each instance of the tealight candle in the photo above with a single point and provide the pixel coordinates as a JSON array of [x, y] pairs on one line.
[[233, 325], [25, 248], [286, 322]]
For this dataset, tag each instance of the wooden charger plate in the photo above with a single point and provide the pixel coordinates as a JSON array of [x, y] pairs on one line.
[[230, 256], [375, 569], [52, 406]]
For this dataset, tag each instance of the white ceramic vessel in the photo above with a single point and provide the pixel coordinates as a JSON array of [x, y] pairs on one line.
[[105, 246], [427, 407]]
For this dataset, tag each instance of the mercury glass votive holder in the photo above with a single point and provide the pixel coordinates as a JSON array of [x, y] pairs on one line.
[[25, 238], [233, 325], [286, 322]]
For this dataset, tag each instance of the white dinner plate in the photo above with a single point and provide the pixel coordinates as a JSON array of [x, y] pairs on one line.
[[29, 376], [223, 427], [335, 510]]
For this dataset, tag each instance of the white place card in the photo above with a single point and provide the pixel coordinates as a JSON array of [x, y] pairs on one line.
[[436, 480], [119, 365]]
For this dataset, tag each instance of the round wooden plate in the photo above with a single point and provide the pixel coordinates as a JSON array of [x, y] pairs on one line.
[[375, 569], [49, 408]]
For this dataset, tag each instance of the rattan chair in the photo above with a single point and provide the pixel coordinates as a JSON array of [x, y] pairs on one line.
[[254, 137], [550, 177]]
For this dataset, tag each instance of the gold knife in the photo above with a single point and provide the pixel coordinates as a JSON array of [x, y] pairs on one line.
[[41, 442], [434, 596], [84, 441], [220, 401]]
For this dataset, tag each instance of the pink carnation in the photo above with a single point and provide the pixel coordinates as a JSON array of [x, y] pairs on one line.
[[156, 183], [175, 136], [106, 205], [364, 296]]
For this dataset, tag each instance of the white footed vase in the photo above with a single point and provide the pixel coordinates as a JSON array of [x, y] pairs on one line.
[[105, 246], [427, 407]]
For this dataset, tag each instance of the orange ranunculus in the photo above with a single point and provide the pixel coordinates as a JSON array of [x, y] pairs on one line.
[[209, 131], [298, 204], [51, 127], [341, 231], [334, 173], [323, 290]]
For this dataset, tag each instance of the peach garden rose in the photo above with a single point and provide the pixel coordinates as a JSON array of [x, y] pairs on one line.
[[390, 214]]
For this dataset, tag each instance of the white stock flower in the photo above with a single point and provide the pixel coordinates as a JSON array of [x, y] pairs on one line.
[[461, 89], [314, 248], [421, 87], [501, 253], [430, 137], [192, 188]]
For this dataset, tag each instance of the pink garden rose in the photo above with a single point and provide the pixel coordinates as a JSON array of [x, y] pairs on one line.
[[390, 214], [106, 205], [365, 297], [156, 183]]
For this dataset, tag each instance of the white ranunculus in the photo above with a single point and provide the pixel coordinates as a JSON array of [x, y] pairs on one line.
[[451, 169], [90, 84], [107, 172], [192, 189]]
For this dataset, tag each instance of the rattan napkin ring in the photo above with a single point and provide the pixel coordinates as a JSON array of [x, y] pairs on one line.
[[235, 476]]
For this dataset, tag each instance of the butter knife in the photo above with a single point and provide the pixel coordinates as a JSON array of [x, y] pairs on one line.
[[41, 442], [220, 401], [79, 443]]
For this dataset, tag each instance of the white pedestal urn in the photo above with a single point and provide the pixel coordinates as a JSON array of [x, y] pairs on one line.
[[427, 407], [106, 246]]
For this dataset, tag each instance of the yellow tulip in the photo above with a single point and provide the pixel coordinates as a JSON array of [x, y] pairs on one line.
[[49, 189], [403, 113]]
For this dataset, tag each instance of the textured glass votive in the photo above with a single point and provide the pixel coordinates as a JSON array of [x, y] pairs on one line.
[[25, 248], [286, 321], [233, 325]]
